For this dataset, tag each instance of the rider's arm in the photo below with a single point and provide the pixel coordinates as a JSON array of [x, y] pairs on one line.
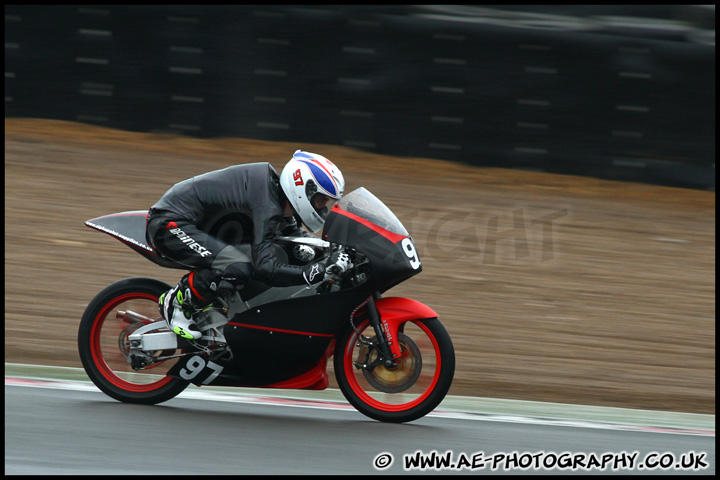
[[290, 228], [267, 268]]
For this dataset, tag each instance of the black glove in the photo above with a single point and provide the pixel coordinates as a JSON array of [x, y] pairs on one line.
[[313, 273]]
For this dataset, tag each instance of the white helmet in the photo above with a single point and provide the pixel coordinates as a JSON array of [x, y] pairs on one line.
[[312, 185]]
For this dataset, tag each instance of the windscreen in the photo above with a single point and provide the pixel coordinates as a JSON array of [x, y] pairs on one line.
[[364, 204]]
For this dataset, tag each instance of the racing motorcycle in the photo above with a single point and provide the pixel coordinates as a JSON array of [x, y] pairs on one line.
[[392, 357]]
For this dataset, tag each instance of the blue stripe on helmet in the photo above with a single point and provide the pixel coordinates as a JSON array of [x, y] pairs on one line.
[[322, 177]]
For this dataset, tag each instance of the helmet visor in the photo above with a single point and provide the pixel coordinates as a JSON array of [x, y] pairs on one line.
[[322, 204]]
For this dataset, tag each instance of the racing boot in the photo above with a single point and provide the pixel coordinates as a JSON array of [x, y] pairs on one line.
[[180, 304]]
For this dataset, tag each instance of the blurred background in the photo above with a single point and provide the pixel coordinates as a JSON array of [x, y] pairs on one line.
[[533, 152], [618, 92]]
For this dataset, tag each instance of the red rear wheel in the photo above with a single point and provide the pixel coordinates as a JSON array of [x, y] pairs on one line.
[[104, 347]]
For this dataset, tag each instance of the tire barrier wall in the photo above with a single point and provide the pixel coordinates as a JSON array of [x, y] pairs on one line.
[[614, 92]]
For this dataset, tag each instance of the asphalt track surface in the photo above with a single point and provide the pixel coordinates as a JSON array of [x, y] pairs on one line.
[[69, 427]]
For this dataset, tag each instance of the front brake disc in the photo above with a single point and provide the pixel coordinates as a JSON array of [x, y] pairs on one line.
[[400, 377]]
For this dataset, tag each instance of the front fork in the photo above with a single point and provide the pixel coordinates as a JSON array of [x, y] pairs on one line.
[[386, 345]]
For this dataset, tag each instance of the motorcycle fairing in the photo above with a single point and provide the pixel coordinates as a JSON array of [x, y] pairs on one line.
[[318, 315], [283, 361], [295, 358], [285, 344], [129, 228], [390, 261], [391, 236]]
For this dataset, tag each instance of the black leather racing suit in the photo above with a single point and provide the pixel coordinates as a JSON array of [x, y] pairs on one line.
[[184, 224]]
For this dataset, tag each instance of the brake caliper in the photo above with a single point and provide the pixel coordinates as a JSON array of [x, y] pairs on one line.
[[366, 347], [365, 359]]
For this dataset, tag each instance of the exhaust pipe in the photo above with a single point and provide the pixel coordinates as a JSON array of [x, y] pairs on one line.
[[131, 317]]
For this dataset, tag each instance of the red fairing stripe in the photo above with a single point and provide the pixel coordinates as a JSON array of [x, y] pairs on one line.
[[273, 329], [393, 237]]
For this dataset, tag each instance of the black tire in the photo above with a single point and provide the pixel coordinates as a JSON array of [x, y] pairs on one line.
[[101, 344], [402, 394]]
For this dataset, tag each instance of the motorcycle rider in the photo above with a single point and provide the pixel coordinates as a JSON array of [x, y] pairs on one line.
[[180, 227]]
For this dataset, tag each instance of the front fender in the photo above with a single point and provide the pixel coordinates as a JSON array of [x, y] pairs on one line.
[[394, 311]]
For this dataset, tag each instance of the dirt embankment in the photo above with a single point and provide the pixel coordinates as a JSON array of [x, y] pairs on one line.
[[554, 288]]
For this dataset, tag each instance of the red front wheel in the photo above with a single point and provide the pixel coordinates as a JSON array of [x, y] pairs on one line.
[[109, 319], [403, 392]]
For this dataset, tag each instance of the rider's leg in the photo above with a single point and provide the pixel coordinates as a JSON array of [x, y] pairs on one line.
[[211, 261]]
